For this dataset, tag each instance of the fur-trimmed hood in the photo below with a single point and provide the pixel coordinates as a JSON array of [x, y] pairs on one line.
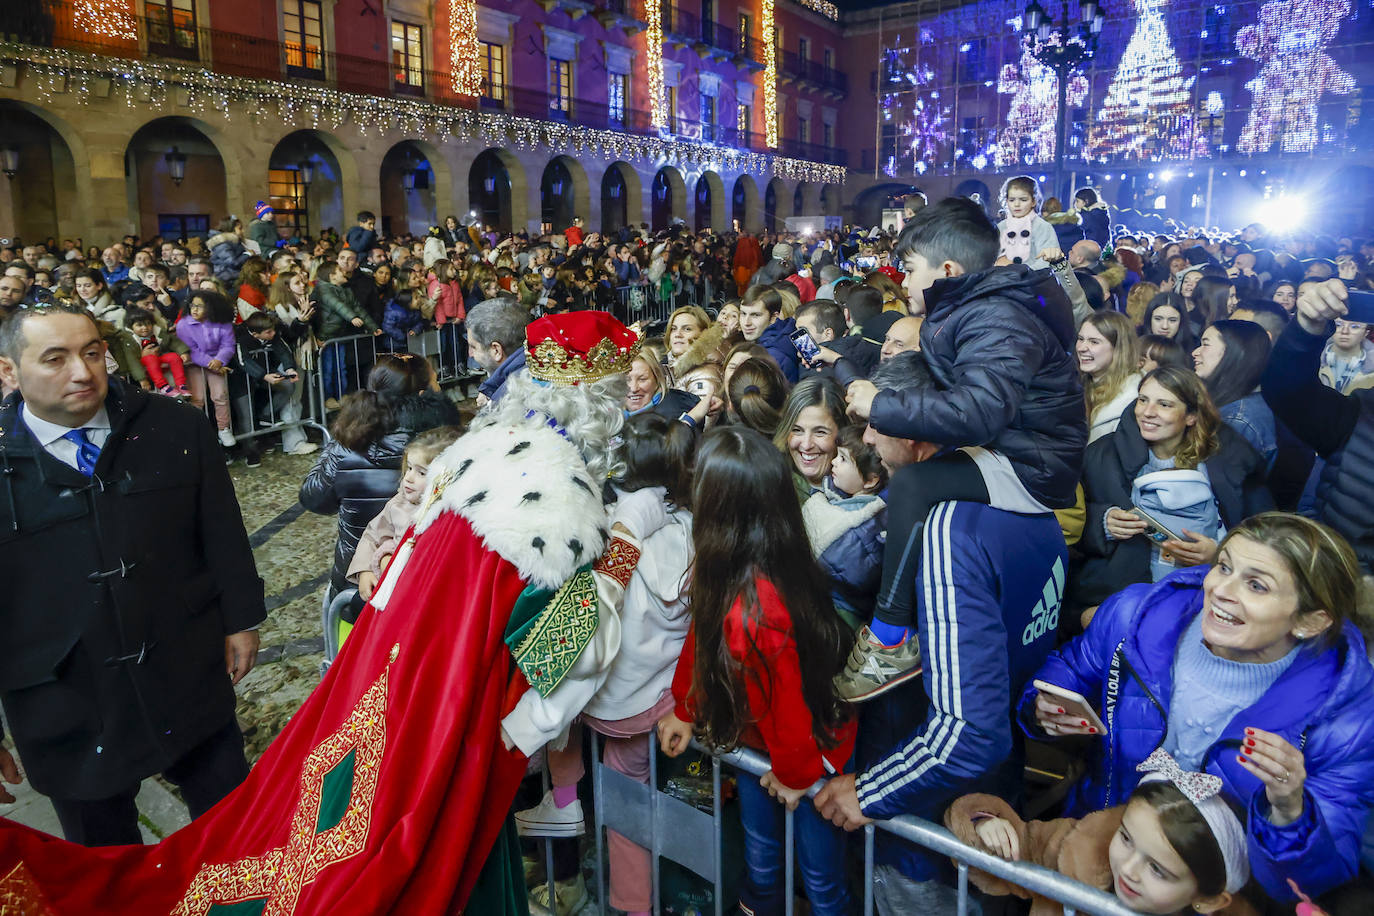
[[826, 520], [527, 495], [704, 349], [1062, 218], [219, 238]]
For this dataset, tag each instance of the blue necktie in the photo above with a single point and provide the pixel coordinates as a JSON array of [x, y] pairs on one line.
[[86, 451]]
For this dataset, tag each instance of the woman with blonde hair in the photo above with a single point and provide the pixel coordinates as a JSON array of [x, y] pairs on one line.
[[1138, 300], [685, 325], [1109, 361]]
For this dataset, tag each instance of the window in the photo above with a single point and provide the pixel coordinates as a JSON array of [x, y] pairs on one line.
[[804, 130], [744, 119], [745, 39], [172, 28], [708, 118], [407, 63], [287, 197], [493, 72], [617, 89], [971, 64], [708, 21], [302, 27], [674, 119], [183, 225], [560, 87], [828, 59], [804, 49], [828, 136]]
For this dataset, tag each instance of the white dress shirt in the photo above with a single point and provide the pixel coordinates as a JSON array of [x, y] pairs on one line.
[[49, 435]]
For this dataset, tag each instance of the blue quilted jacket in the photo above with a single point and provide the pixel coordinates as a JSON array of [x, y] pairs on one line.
[[1323, 704]]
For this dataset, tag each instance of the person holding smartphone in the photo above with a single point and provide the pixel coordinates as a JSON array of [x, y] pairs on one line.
[[1339, 427], [1173, 458]]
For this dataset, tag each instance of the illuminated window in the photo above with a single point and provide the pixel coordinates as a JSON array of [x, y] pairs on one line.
[[617, 89], [172, 28], [286, 194], [560, 87], [744, 119], [302, 27], [493, 71], [674, 118], [804, 130], [746, 27], [708, 117], [407, 63]]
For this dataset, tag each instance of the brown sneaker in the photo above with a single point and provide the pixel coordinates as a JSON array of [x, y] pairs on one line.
[[874, 669]]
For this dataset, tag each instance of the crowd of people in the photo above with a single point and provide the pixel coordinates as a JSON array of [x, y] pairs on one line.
[[908, 508]]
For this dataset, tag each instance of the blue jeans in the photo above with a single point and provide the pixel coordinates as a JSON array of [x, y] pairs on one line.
[[820, 855], [333, 368]]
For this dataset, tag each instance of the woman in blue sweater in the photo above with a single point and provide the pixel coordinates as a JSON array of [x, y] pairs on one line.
[[1250, 670]]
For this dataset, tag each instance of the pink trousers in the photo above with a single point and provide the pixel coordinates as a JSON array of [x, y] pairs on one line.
[[627, 752]]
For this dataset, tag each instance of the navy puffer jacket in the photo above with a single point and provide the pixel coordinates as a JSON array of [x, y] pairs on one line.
[[1323, 704], [998, 345]]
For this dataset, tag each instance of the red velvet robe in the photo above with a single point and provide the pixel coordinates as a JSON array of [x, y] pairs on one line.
[[384, 793]]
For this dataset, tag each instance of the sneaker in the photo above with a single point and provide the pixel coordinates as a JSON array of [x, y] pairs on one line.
[[332, 404], [226, 439], [571, 897], [547, 819], [305, 448], [181, 391], [874, 669], [167, 390], [253, 459]]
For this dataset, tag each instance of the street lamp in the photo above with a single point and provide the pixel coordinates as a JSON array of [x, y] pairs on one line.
[[9, 161], [1063, 49], [176, 165], [306, 171]]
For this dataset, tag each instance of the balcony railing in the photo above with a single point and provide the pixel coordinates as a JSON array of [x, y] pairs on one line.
[[813, 73]]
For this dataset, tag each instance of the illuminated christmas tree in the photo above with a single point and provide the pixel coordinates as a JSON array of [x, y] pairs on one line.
[[1147, 110]]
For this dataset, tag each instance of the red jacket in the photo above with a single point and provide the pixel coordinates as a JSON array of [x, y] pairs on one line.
[[781, 725], [574, 236], [448, 302]]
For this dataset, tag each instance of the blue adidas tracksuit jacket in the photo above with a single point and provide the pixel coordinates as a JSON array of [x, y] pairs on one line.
[[988, 610]]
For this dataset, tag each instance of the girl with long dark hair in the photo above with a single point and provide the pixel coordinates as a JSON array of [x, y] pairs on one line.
[[759, 663], [1230, 358]]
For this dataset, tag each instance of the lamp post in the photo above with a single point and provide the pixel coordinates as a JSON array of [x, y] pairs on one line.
[[9, 161], [176, 165], [1063, 49], [305, 173]]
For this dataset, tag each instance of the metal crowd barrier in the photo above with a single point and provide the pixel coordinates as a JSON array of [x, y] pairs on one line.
[[672, 829]]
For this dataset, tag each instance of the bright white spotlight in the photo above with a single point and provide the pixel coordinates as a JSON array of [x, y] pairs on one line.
[[1166, 176], [1281, 212]]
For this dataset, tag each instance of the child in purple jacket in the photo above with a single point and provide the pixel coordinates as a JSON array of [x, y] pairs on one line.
[[207, 329]]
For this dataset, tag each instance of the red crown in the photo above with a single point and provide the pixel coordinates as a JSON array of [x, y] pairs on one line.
[[578, 347]]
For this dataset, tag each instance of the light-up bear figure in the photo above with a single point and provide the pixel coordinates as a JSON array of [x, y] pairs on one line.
[[1034, 108], [1289, 42]]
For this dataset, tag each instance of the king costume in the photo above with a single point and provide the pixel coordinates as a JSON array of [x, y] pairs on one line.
[[388, 791]]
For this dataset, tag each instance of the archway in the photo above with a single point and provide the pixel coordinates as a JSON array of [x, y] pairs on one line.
[[744, 204], [776, 205], [306, 182], [557, 194], [38, 200], [620, 198], [159, 203], [709, 197], [408, 190], [669, 198], [870, 203], [489, 188], [830, 200]]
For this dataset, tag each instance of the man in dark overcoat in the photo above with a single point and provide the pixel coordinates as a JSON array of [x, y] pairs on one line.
[[129, 598]]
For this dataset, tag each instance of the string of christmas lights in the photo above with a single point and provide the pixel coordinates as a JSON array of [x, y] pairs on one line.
[[653, 53], [828, 10], [106, 18], [149, 84], [770, 76], [465, 61]]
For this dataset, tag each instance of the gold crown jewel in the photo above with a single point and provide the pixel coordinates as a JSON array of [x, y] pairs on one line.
[[551, 362]]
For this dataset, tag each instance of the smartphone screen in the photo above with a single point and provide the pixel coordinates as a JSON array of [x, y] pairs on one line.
[[805, 346], [1360, 306]]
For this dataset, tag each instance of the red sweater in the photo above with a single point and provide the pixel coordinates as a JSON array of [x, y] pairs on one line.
[[781, 721]]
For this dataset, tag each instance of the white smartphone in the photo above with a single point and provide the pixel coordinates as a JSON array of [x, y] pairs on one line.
[[1157, 532], [1074, 703]]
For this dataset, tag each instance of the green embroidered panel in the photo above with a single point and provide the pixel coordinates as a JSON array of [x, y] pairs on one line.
[[548, 643], [335, 793], [244, 908]]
